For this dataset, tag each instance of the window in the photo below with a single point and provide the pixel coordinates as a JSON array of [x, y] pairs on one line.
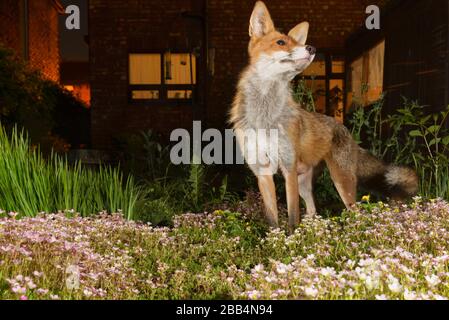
[[325, 79], [161, 77], [366, 77], [144, 69]]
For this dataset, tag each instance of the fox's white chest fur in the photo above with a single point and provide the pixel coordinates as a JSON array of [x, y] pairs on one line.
[[267, 109]]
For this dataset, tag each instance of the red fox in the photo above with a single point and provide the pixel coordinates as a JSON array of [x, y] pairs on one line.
[[264, 102]]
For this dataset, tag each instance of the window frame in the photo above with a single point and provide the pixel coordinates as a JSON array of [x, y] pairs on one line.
[[163, 88], [330, 75]]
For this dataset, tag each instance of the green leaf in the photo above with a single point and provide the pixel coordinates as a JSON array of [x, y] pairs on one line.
[[434, 142], [415, 133], [433, 129], [425, 119], [446, 140]]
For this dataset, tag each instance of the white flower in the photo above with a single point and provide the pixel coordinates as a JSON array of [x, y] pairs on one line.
[[311, 257], [371, 283], [381, 297], [311, 292], [433, 280], [360, 272], [350, 264], [407, 270], [350, 292], [258, 268], [87, 293], [366, 263], [410, 295], [281, 268], [31, 285], [327, 272], [394, 285]]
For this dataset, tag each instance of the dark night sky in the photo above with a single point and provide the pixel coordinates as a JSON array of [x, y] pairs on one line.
[[72, 44]]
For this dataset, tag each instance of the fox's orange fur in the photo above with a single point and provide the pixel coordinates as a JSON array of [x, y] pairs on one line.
[[264, 101]]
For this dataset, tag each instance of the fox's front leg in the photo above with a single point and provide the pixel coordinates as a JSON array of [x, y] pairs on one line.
[[268, 191], [291, 186]]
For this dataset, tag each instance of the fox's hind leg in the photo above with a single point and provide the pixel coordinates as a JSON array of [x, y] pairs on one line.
[[345, 180], [268, 191], [305, 181]]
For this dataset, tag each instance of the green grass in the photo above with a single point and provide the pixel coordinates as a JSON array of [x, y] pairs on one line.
[[30, 184]]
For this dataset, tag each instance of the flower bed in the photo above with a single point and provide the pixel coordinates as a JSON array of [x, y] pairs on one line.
[[375, 252]]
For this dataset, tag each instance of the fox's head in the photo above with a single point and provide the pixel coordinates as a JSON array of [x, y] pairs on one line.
[[276, 55]]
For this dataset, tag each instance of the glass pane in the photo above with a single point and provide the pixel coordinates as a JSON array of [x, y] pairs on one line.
[[336, 107], [367, 74], [356, 81], [376, 72], [177, 68], [179, 94], [338, 66], [144, 68], [317, 67], [145, 94]]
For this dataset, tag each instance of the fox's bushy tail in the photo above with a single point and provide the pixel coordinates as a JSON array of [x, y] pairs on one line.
[[395, 182]]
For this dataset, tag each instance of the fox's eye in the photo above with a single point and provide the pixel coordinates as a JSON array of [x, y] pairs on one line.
[[281, 42]]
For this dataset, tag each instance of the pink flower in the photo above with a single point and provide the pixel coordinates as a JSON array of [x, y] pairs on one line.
[[18, 289]]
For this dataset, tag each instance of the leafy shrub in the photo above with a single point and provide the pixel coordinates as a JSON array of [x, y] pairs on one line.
[[410, 136], [157, 212], [41, 106]]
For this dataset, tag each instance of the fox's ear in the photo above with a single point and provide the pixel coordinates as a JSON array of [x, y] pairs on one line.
[[300, 32], [260, 22]]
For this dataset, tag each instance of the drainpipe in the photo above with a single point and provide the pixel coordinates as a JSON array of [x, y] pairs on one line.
[[25, 30]]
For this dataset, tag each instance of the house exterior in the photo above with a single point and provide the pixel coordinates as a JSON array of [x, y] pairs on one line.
[[162, 64], [30, 28], [414, 58]]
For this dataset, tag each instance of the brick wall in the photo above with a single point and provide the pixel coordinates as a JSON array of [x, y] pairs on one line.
[[43, 33], [9, 24], [119, 27], [44, 38], [116, 29]]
